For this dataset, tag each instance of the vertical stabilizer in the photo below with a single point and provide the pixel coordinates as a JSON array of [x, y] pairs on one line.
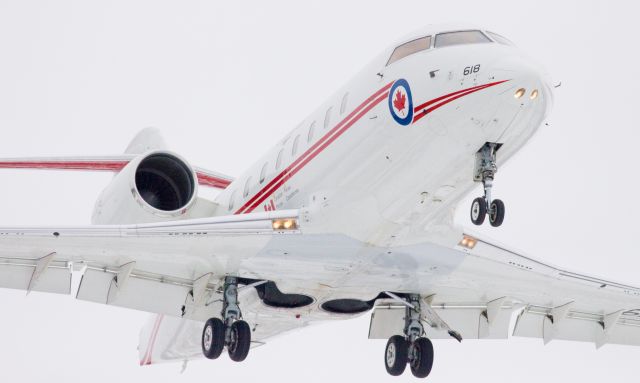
[[147, 139]]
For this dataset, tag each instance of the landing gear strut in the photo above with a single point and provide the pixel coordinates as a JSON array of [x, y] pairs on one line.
[[230, 331], [412, 348], [485, 171]]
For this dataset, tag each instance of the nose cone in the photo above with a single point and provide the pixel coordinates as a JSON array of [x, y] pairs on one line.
[[530, 83], [523, 101]]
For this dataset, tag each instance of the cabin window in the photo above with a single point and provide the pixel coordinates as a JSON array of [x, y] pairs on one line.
[[232, 200], [459, 38], [310, 134], [327, 118], [279, 159], [294, 147], [247, 187], [499, 39], [410, 48], [263, 172], [343, 104]]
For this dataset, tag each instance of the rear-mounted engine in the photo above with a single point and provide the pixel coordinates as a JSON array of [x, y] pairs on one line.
[[156, 186]]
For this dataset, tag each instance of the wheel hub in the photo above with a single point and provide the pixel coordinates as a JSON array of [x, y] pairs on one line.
[[391, 354], [208, 337]]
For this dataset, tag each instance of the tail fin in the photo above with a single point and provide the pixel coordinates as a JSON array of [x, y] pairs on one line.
[[146, 139]]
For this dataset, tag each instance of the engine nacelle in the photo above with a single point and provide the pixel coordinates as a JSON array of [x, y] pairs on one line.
[[155, 186]]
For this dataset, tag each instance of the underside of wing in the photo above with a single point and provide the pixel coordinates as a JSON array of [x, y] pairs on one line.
[[494, 289], [171, 268]]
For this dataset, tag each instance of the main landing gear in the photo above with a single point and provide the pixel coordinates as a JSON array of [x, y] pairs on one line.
[[230, 331], [412, 348], [485, 171]]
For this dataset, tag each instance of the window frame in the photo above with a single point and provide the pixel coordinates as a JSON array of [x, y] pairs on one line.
[[343, 103], [311, 132], [435, 40], [294, 146], [263, 173], [279, 159], [392, 60], [327, 117], [247, 187], [496, 38]]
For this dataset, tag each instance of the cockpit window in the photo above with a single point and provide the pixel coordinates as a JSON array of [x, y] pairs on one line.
[[410, 48], [462, 37], [499, 39]]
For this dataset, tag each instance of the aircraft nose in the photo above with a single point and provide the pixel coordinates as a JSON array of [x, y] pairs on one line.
[[528, 80]]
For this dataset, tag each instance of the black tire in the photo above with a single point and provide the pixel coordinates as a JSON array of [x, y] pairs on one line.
[[422, 358], [478, 211], [396, 355], [212, 338], [240, 343], [496, 216]]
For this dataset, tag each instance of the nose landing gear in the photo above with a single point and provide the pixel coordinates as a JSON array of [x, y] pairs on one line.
[[231, 331], [485, 171]]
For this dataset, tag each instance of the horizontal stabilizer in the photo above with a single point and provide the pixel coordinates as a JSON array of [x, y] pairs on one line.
[[102, 163]]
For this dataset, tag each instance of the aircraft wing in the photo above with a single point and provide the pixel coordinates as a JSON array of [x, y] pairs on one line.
[[493, 286], [170, 268], [173, 269]]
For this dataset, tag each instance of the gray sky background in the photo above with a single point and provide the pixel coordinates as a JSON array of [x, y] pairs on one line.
[[225, 80]]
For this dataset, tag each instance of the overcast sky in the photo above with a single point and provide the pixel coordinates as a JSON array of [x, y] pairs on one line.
[[225, 80]]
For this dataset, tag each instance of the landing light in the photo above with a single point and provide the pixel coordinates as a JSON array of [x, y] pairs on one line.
[[534, 94], [519, 93], [468, 242], [284, 224]]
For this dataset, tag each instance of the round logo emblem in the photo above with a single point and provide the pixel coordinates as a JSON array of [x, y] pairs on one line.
[[400, 102]]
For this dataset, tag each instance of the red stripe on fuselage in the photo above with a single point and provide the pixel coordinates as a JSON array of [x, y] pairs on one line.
[[339, 129], [423, 109], [311, 152]]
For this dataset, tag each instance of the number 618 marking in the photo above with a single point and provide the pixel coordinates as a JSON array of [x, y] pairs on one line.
[[472, 69]]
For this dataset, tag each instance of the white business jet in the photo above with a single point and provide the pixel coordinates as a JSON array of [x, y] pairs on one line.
[[350, 213]]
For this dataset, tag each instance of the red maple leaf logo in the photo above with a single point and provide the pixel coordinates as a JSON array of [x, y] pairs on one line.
[[399, 101]]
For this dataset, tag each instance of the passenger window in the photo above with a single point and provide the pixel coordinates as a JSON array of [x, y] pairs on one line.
[[458, 38], [232, 200], [499, 39], [343, 104], [279, 159], [294, 147], [247, 186], [327, 118], [311, 129], [263, 172], [410, 48]]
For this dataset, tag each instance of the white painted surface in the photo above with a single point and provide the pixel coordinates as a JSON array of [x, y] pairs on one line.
[[95, 76]]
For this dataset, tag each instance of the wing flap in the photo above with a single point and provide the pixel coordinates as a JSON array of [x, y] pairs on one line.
[[24, 274], [469, 320], [152, 267], [101, 286], [536, 322]]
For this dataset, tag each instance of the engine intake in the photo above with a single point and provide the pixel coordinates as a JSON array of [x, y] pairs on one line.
[[164, 182], [155, 186]]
